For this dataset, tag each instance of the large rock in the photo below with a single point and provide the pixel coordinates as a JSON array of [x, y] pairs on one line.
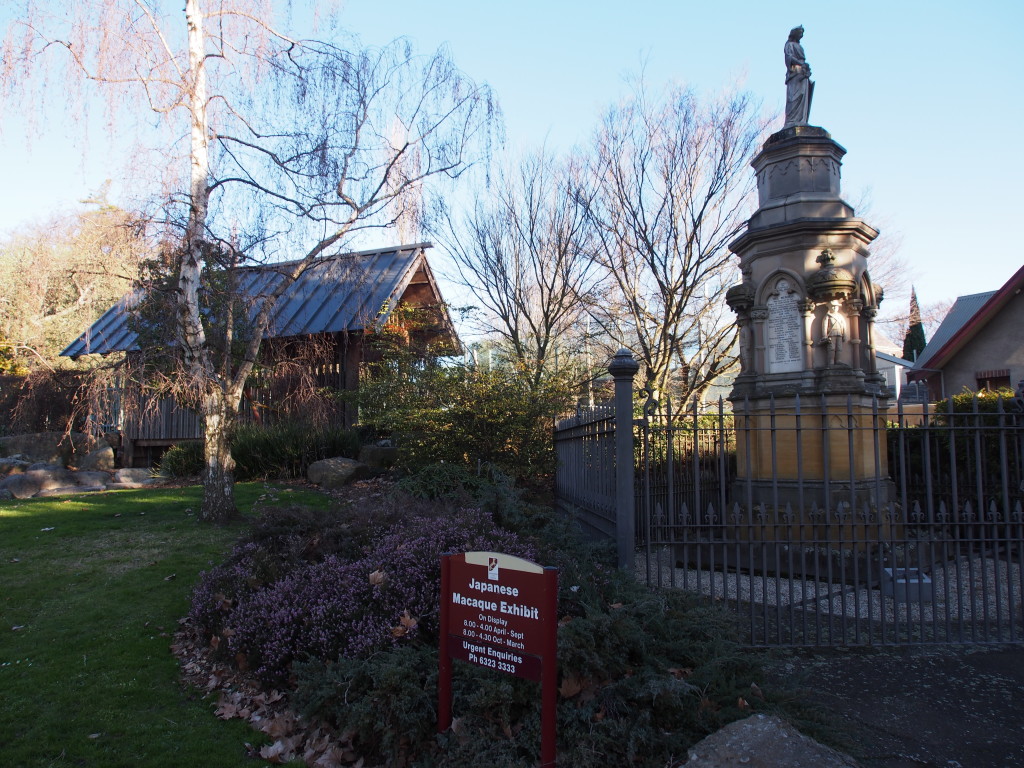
[[51, 447], [133, 477], [12, 466], [38, 477], [92, 478], [100, 459], [378, 456], [762, 741], [336, 472]]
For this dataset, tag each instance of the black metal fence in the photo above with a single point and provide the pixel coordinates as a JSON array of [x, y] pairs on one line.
[[934, 555]]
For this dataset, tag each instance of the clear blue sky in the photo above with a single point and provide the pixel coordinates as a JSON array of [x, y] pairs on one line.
[[924, 95]]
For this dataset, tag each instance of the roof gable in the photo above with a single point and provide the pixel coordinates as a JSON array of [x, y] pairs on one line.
[[965, 319], [342, 292]]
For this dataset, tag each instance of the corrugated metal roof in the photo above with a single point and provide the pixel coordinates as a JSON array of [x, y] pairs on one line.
[[343, 292], [963, 309]]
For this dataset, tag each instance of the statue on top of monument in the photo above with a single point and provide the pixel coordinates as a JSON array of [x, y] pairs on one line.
[[799, 88]]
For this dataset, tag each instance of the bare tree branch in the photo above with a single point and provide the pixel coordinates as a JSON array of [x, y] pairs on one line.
[[671, 189]]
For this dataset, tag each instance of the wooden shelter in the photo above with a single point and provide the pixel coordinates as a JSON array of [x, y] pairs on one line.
[[321, 324]]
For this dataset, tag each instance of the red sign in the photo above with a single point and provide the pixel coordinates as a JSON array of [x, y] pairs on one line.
[[501, 612]]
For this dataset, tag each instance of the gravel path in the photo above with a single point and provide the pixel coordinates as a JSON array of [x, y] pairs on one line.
[[971, 590], [934, 707], [913, 706]]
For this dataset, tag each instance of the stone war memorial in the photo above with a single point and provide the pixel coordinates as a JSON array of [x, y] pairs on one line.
[[805, 311], [813, 510]]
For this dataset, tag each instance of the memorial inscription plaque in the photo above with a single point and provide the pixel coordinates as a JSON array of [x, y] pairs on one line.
[[784, 331]]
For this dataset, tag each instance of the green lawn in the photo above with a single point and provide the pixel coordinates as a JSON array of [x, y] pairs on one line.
[[91, 589]]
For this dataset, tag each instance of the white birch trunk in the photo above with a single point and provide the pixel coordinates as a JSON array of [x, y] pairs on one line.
[[218, 405]]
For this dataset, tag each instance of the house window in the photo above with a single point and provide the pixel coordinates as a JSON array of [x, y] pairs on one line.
[[993, 380]]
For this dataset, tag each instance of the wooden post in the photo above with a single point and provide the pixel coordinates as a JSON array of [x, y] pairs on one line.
[[444, 662]]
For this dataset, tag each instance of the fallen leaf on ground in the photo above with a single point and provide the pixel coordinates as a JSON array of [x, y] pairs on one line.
[[570, 687]]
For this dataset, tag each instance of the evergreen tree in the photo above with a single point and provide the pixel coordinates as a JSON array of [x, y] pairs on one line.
[[914, 341]]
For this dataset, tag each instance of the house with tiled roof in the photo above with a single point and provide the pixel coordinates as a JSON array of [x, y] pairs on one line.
[[978, 346]]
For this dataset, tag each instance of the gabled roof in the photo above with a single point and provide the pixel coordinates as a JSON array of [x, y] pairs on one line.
[[883, 344], [893, 359], [968, 315], [341, 292]]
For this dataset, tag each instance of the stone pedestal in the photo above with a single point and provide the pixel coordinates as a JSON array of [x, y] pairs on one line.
[[808, 387], [822, 451]]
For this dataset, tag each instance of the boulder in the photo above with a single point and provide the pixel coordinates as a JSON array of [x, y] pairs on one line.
[[336, 472], [378, 456], [102, 459], [134, 477], [38, 477], [50, 447], [92, 478], [12, 466], [19, 487], [762, 741]]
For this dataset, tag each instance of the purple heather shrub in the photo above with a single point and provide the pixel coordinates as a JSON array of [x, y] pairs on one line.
[[248, 569], [350, 608]]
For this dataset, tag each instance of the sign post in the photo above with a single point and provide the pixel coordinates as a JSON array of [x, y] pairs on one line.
[[500, 612]]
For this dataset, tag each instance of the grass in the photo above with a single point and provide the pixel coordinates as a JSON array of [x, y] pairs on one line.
[[91, 589]]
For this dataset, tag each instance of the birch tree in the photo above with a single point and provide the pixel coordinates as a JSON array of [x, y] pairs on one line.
[[274, 147], [669, 187]]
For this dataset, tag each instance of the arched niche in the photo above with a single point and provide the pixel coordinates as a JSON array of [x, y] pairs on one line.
[[782, 294]]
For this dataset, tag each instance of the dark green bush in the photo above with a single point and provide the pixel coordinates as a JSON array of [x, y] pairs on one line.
[[986, 404], [642, 680], [441, 480], [287, 449], [182, 460], [465, 415], [279, 451]]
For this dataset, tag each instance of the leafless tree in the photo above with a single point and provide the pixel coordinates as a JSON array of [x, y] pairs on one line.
[[290, 147], [61, 275], [524, 250], [890, 269], [671, 188]]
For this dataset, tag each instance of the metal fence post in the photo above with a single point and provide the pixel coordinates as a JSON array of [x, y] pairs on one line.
[[623, 368]]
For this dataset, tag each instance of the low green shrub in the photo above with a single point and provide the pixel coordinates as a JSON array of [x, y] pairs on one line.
[[315, 601], [442, 480], [287, 449], [641, 681], [182, 460], [278, 451]]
